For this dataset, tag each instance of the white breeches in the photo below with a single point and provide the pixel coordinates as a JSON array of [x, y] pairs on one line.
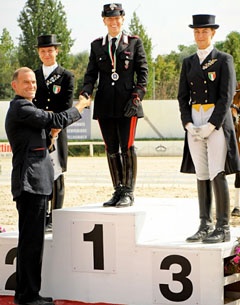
[[209, 156]]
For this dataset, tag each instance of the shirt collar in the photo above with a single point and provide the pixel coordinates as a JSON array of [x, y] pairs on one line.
[[203, 53], [47, 70], [118, 37]]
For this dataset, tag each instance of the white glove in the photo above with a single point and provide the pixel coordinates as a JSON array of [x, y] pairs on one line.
[[204, 131], [191, 129]]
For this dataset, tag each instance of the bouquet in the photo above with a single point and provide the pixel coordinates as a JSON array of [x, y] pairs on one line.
[[2, 230], [233, 265]]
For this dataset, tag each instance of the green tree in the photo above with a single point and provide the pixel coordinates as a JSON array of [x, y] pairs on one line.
[[136, 28], [8, 64], [167, 72], [231, 46], [185, 51], [41, 17], [78, 68], [166, 77]]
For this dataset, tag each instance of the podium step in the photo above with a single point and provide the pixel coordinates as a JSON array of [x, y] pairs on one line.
[[133, 256]]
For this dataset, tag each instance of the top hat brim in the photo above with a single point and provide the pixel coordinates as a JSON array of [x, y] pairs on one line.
[[48, 45], [213, 26]]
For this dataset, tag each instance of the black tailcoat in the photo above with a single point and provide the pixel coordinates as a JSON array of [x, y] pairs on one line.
[[56, 94], [212, 82]]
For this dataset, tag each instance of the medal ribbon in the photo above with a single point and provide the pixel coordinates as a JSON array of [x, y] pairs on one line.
[[112, 53]]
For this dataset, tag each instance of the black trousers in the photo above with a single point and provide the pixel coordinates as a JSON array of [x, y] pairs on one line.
[[118, 133], [32, 212]]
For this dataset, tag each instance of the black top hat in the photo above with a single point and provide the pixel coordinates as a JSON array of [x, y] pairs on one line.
[[112, 9], [47, 41], [203, 21]]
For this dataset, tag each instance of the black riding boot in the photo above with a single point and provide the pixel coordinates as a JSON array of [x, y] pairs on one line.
[[57, 200], [129, 178], [205, 204], [221, 192], [115, 167], [236, 209]]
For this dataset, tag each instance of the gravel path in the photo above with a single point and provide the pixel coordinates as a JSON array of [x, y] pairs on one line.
[[88, 181]]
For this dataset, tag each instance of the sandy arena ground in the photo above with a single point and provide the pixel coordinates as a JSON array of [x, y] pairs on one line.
[[88, 181]]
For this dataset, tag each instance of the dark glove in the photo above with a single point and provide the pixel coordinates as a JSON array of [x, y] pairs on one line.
[[132, 106]]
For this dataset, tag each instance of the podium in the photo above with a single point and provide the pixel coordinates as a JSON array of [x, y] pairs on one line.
[[133, 256]]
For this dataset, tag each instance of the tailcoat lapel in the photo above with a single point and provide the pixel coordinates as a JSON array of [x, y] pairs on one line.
[[197, 68], [54, 76]]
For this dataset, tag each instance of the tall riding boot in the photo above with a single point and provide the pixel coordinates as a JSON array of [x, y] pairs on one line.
[[129, 178], [221, 192], [205, 204], [115, 167], [57, 199], [236, 209]]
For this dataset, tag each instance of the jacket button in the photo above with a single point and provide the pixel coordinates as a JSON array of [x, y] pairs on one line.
[[113, 84]]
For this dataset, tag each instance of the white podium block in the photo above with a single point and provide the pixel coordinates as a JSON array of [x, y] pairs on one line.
[[8, 252], [133, 256]]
